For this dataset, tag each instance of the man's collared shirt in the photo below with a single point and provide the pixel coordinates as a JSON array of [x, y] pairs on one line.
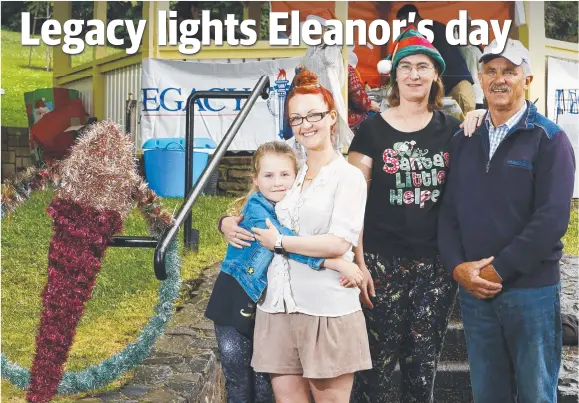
[[497, 134]]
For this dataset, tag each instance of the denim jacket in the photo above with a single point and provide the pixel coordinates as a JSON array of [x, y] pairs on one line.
[[249, 265]]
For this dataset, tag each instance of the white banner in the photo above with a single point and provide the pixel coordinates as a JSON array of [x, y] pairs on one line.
[[166, 84], [563, 102], [562, 87]]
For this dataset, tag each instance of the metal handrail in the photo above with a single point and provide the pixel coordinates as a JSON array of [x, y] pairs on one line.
[[184, 214], [189, 241], [261, 89]]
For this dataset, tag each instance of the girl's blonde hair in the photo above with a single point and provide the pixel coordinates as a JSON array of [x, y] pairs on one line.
[[271, 147]]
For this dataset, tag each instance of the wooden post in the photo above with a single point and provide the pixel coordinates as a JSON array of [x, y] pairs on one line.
[[254, 13], [62, 13], [100, 13], [532, 35], [150, 38], [98, 80], [341, 12]]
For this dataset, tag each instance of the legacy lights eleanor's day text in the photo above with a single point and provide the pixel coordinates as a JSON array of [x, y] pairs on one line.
[[73, 35]]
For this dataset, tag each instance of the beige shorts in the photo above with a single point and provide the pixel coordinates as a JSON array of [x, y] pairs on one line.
[[316, 347]]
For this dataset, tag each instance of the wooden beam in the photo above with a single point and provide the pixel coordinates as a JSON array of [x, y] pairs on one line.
[[341, 12], [532, 35], [562, 49], [100, 13], [62, 12], [150, 34], [254, 13], [99, 52], [262, 49], [98, 93]]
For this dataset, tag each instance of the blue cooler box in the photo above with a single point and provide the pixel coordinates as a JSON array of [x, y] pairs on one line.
[[165, 163]]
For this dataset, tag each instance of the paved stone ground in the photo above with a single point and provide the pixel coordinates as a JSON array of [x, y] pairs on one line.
[[184, 367]]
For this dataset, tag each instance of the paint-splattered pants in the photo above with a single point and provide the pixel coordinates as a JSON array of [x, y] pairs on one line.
[[414, 299]]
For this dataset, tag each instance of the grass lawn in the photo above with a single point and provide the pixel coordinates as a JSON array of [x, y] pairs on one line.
[[18, 78], [124, 295], [571, 238]]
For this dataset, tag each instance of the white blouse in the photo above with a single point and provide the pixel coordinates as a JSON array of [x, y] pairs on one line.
[[333, 204]]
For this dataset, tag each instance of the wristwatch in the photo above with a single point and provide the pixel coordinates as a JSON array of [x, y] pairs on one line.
[[278, 247]]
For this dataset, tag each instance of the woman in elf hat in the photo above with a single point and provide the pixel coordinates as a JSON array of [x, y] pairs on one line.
[[404, 153]]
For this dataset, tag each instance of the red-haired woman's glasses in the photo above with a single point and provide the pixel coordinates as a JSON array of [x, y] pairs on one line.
[[311, 117]]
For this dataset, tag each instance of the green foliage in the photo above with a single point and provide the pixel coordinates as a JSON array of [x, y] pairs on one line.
[[219, 9], [561, 20], [124, 295], [39, 8], [11, 14], [264, 32]]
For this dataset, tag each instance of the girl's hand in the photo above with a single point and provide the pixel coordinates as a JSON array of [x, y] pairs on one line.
[[235, 235], [351, 275], [347, 283], [375, 106], [473, 121], [266, 237]]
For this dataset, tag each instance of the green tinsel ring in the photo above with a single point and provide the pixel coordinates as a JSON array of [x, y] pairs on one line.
[[99, 375]]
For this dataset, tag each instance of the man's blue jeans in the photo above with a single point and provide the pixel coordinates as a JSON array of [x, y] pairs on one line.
[[514, 344]]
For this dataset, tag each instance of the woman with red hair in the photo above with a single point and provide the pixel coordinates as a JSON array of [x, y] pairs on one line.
[[310, 332]]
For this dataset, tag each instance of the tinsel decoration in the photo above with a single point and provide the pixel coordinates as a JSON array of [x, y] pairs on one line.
[[97, 181], [19, 189], [105, 372], [97, 187]]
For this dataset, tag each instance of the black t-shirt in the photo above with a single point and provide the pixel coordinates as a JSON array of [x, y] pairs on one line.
[[408, 173], [229, 305]]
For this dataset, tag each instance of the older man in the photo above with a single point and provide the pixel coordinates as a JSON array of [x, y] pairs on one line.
[[508, 198]]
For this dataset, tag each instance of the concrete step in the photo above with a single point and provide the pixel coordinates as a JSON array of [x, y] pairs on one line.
[[455, 315], [452, 384], [567, 398], [454, 348]]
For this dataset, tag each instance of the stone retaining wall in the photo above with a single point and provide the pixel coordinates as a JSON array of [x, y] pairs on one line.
[[15, 150], [234, 176], [184, 364], [234, 171]]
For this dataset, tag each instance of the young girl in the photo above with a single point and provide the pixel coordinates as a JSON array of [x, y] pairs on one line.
[[243, 275]]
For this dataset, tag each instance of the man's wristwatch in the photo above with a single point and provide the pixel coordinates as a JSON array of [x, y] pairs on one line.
[[278, 248]]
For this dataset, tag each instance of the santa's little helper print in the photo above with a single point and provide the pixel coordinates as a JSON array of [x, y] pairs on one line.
[[418, 173]]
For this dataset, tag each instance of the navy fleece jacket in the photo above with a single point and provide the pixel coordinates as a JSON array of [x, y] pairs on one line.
[[515, 207]]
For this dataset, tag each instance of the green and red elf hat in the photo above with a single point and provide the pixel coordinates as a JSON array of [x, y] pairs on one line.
[[409, 42]]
